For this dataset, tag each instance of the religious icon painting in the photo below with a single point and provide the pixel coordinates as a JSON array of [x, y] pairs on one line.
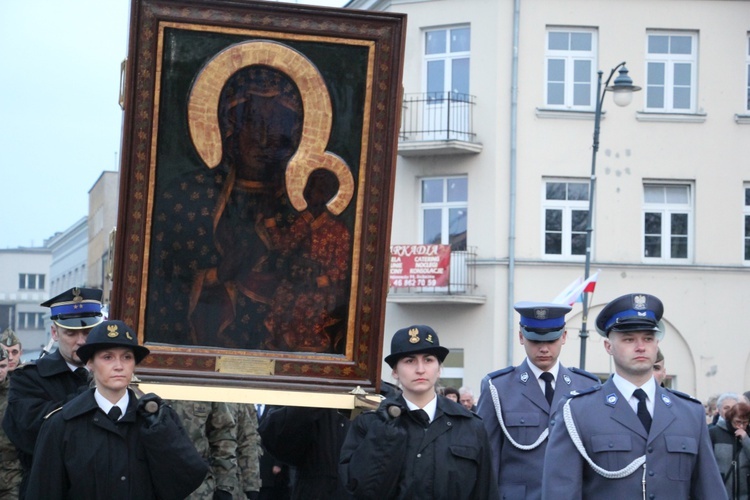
[[256, 191]]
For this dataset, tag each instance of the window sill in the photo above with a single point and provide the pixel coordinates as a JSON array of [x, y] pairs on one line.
[[742, 119], [646, 116], [566, 114]]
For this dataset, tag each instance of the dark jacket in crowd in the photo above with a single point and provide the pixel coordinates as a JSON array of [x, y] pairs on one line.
[[36, 389], [397, 458], [309, 439], [728, 448], [82, 454]]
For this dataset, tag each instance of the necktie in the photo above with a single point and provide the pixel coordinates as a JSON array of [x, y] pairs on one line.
[[549, 391], [643, 414], [114, 413], [82, 373], [421, 417]]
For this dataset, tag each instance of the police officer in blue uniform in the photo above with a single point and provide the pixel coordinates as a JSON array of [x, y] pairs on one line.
[[515, 403], [630, 438]]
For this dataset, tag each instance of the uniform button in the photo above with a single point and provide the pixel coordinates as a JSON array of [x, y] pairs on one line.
[[419, 455], [611, 444], [652, 496], [123, 478], [683, 446], [650, 473], [650, 449], [523, 420], [450, 423]]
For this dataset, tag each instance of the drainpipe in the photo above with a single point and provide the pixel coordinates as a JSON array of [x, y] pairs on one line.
[[513, 171]]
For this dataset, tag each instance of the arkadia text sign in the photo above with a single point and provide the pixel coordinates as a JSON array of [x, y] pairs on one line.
[[420, 265]]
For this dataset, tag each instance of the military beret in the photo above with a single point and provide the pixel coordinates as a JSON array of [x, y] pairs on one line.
[[416, 339], [542, 321], [9, 338]]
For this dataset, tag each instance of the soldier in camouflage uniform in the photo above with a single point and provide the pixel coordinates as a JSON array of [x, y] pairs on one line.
[[248, 448], [10, 466], [12, 346], [213, 429]]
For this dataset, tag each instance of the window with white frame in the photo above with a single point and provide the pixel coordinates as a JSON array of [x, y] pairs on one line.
[[566, 210], [447, 53], [444, 211], [671, 68], [30, 321], [30, 281], [570, 75], [667, 222], [746, 212]]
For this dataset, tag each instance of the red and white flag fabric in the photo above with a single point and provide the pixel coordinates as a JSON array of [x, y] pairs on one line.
[[574, 292]]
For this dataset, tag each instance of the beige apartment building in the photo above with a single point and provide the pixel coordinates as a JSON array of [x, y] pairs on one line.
[[495, 159]]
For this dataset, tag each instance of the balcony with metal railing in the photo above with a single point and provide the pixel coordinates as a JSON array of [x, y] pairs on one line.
[[461, 288], [437, 123]]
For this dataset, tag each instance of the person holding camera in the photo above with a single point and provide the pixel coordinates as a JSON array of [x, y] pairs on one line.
[[107, 443]]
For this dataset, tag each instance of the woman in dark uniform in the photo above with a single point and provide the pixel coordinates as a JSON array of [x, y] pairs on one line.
[[106, 443], [418, 444]]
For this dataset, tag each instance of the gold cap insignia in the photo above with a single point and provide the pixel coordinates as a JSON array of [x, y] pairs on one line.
[[112, 329], [414, 335], [429, 339], [77, 295], [128, 336]]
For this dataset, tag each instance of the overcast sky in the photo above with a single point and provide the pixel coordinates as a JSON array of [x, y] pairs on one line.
[[60, 122]]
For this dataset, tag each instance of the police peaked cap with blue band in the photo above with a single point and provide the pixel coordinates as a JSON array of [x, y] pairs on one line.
[[416, 339], [634, 312], [542, 321], [76, 308], [109, 334]]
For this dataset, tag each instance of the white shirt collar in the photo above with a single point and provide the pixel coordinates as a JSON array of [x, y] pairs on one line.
[[538, 371], [627, 389], [105, 405], [430, 408]]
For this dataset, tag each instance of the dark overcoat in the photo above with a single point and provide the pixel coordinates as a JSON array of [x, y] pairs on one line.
[[36, 389], [309, 439], [526, 414], [82, 454], [400, 459], [679, 460]]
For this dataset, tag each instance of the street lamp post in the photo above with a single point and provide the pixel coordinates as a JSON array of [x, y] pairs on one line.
[[622, 90]]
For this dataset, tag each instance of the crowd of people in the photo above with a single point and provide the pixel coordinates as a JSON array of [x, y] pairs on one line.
[[74, 426]]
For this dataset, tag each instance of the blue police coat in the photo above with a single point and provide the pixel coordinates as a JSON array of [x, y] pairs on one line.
[[526, 415], [679, 462]]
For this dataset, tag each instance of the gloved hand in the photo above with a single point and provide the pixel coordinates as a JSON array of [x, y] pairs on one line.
[[151, 408], [222, 495]]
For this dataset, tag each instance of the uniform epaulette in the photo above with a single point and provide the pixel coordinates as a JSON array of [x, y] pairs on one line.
[[48, 415], [683, 395], [585, 373], [502, 371], [593, 388], [25, 365]]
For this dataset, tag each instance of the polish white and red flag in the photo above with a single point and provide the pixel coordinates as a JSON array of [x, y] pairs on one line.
[[574, 292]]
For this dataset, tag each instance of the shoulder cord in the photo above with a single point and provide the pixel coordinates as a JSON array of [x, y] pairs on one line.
[[525, 447], [624, 472]]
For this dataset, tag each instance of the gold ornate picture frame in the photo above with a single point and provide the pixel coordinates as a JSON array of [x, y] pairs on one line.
[[256, 192]]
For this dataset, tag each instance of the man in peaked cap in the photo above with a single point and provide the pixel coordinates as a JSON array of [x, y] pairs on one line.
[[12, 346], [39, 387], [516, 402], [631, 438]]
